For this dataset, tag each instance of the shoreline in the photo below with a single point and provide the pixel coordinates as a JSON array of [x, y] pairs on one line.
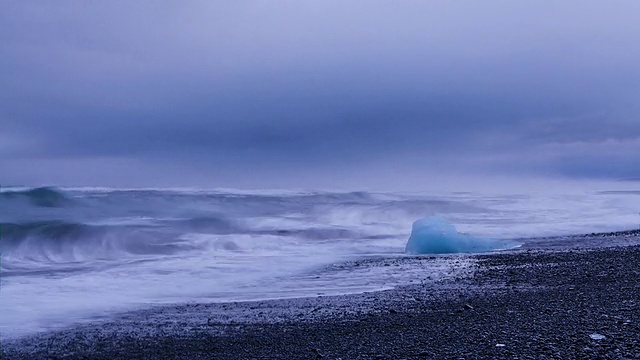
[[518, 303]]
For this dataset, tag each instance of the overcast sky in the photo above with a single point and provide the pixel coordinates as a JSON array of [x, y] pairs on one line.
[[317, 93]]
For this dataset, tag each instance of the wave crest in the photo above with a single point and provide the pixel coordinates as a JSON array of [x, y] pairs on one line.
[[42, 196], [36, 245]]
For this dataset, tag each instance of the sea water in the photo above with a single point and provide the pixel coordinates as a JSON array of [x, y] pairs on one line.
[[70, 255]]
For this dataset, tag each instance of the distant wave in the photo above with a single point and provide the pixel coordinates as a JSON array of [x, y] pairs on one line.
[[42, 196], [213, 193], [620, 192], [348, 196], [208, 224], [218, 191]]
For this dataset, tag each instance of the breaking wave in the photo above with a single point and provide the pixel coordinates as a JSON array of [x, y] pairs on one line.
[[208, 224], [50, 227], [314, 233], [42, 196], [32, 245]]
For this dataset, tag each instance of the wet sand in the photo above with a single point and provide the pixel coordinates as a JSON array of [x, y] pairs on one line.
[[528, 304]]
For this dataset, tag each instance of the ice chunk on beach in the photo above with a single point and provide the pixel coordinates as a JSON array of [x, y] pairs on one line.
[[434, 235]]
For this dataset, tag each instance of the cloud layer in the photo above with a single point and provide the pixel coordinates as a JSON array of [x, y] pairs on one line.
[[214, 94]]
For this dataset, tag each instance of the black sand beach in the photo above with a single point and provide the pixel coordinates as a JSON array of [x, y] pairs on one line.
[[528, 304]]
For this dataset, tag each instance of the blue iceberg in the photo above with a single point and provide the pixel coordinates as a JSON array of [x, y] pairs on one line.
[[434, 235]]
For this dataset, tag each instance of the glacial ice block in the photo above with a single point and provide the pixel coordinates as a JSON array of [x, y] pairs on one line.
[[434, 235]]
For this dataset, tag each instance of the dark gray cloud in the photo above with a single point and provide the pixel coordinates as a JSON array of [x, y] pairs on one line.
[[121, 93]]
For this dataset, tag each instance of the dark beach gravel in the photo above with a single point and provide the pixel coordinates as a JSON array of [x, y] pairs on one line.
[[570, 304]]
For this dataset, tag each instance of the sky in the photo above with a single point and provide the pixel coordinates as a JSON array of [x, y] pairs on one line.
[[273, 94]]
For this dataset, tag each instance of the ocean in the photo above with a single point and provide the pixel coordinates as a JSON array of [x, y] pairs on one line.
[[73, 255]]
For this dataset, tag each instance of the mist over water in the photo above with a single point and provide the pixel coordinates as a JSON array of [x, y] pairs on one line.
[[72, 255]]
